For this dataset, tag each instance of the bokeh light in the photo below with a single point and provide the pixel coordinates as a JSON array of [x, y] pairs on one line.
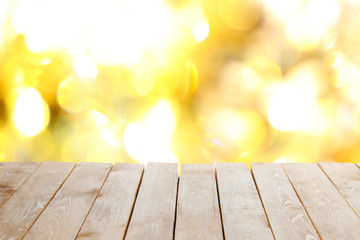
[[31, 113], [185, 81], [153, 132]]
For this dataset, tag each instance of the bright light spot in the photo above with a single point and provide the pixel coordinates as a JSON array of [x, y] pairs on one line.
[[244, 130], [85, 67], [345, 71], [288, 108], [160, 122], [248, 157], [1, 39], [352, 90], [110, 136], [134, 141], [195, 19], [283, 9], [228, 125], [144, 76], [292, 104], [98, 118], [112, 32], [315, 122], [39, 44], [311, 22], [5, 10], [354, 2], [22, 12], [161, 26], [159, 155], [285, 160], [153, 132], [302, 34], [338, 57], [306, 22], [201, 31], [39, 21], [122, 44], [31, 114]]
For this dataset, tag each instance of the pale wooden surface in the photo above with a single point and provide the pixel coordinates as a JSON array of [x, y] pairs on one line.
[[26, 204], [111, 211], [242, 213], [328, 210], [53, 200], [286, 214], [154, 211], [346, 178], [198, 214], [12, 176], [65, 214]]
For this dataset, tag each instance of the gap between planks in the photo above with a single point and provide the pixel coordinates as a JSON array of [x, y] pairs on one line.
[[243, 216], [330, 213], [221, 216], [346, 179], [317, 231], [198, 214], [49, 200], [96, 197], [262, 203], [154, 211], [28, 202], [8, 184], [120, 187], [176, 202], [65, 214], [286, 214]]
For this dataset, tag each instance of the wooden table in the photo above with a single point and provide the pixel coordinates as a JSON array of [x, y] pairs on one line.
[[55, 200]]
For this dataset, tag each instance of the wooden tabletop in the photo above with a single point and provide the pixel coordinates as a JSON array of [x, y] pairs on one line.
[[58, 200]]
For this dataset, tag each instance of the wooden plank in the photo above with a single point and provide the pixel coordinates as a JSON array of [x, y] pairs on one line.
[[111, 211], [12, 176], [198, 213], [154, 211], [328, 210], [242, 213], [346, 178], [287, 216], [26, 204], [65, 214]]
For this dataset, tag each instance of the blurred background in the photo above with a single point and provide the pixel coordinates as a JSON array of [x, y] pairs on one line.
[[188, 81]]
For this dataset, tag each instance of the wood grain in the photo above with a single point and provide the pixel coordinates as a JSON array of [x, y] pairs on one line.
[[346, 178], [198, 213], [12, 176], [242, 213], [111, 211], [154, 210], [65, 214], [26, 204], [328, 210], [286, 214]]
